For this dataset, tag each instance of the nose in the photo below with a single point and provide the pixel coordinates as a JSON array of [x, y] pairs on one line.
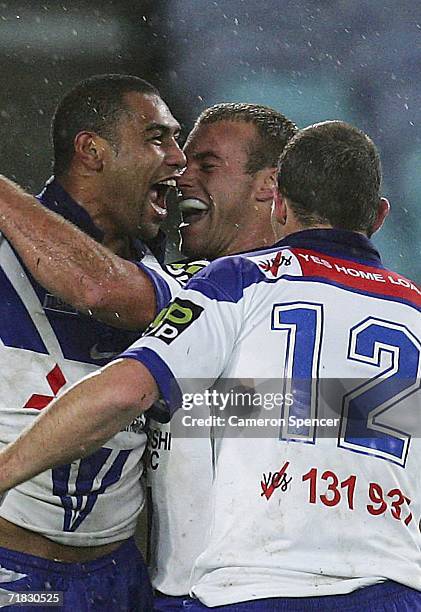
[[186, 179], [175, 156]]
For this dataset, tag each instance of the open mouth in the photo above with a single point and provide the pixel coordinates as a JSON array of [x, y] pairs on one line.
[[158, 194], [192, 211]]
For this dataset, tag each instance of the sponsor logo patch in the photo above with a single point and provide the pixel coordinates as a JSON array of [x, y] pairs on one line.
[[273, 265], [173, 320], [137, 426]]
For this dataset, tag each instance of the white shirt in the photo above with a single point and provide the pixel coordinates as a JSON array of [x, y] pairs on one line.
[[310, 510], [178, 522], [46, 346]]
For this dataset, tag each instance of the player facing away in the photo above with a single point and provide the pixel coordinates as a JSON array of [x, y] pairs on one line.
[[114, 145], [344, 531]]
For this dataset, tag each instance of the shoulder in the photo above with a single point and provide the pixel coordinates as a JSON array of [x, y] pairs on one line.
[[231, 275]]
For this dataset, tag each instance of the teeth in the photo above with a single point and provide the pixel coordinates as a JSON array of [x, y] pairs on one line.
[[192, 204], [169, 182], [161, 211]]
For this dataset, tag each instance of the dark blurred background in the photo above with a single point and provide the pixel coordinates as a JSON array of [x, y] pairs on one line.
[[358, 61]]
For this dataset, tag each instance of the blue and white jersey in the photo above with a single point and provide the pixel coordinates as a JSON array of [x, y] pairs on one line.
[[46, 346], [176, 530], [169, 278], [179, 474], [327, 499]]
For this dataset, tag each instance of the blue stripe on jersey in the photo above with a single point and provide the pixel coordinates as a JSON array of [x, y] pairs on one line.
[[334, 242], [18, 329], [88, 486], [168, 385], [81, 337], [162, 290], [341, 254]]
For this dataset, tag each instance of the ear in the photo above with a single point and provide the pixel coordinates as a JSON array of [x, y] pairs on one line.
[[89, 149], [382, 212], [265, 184], [279, 210]]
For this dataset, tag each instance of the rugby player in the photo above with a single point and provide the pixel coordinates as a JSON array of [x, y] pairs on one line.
[[115, 145], [324, 308], [227, 194]]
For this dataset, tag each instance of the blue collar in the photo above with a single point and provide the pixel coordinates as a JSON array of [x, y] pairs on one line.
[[337, 242], [54, 197]]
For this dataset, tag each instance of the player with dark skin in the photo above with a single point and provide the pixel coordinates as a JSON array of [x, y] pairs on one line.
[[117, 173], [119, 181]]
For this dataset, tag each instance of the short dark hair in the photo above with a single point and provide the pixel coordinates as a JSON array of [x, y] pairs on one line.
[[94, 104], [273, 129], [331, 174]]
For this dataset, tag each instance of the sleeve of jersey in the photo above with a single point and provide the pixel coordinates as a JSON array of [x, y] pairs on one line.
[[165, 286], [189, 344]]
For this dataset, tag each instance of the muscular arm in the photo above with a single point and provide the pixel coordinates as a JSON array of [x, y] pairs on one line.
[[80, 421], [73, 266]]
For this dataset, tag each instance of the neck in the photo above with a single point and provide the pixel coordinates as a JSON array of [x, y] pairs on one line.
[[292, 226], [300, 228], [256, 232], [255, 240], [87, 194]]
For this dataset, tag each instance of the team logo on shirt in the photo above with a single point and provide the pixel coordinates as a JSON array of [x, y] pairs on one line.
[[173, 320], [183, 271]]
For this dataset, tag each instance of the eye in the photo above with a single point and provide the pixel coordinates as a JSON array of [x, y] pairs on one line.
[[156, 138], [207, 167]]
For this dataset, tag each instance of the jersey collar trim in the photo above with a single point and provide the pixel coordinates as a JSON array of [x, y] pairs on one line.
[[343, 243]]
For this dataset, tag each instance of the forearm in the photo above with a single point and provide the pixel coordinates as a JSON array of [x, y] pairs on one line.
[[72, 265], [80, 421]]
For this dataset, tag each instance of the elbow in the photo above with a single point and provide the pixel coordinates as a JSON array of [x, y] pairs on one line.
[[93, 297], [128, 309], [133, 314], [96, 299], [82, 293]]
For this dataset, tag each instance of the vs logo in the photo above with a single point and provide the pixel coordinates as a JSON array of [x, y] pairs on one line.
[[173, 320]]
